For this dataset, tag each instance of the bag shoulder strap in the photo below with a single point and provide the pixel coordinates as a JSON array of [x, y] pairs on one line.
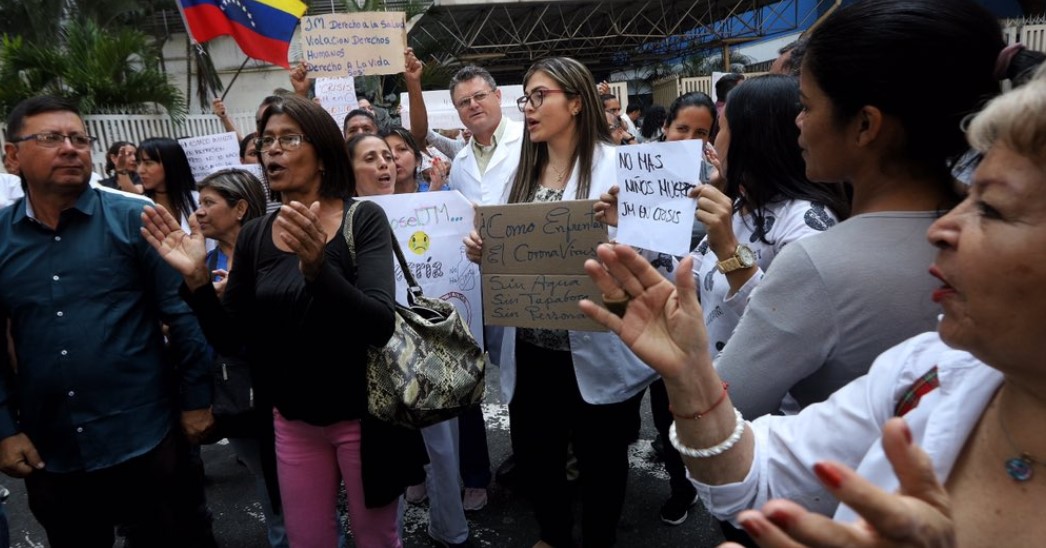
[[413, 289]]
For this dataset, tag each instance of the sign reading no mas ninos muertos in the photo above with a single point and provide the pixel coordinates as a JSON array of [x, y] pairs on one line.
[[654, 211], [533, 260], [354, 44]]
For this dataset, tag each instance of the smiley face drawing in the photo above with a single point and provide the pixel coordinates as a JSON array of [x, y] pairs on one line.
[[419, 242]]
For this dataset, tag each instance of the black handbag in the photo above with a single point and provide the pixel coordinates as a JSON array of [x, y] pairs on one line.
[[432, 369]]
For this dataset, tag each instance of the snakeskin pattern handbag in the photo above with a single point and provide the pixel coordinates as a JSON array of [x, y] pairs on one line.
[[431, 369]]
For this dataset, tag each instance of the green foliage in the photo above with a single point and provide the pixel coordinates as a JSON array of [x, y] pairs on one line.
[[111, 70], [705, 65]]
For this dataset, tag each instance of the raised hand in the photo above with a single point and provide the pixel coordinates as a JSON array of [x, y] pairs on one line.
[[186, 253], [716, 211], [300, 80], [919, 515], [606, 207], [663, 323], [414, 67], [301, 230], [218, 107]]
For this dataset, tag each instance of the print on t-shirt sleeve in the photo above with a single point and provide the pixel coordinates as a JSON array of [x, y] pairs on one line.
[[663, 261], [763, 229], [818, 219]]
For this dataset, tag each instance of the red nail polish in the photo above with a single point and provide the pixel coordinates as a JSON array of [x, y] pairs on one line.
[[907, 433], [753, 527], [828, 475], [781, 519]]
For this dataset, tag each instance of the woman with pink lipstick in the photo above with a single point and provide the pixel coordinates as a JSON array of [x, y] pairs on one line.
[[304, 312], [576, 388], [965, 462]]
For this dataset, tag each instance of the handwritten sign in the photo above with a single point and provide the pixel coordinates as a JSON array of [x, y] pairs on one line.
[[533, 263], [430, 227], [653, 210], [443, 115], [208, 153], [337, 96], [354, 44]]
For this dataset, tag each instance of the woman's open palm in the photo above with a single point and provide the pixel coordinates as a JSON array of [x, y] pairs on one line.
[[186, 253]]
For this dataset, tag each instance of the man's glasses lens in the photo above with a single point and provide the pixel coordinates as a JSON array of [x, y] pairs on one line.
[[477, 97], [55, 140]]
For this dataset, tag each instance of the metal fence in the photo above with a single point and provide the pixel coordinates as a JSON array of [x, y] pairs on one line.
[[135, 128]]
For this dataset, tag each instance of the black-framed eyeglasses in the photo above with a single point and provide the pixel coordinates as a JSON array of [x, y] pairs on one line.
[[479, 97], [291, 141], [536, 98], [52, 139]]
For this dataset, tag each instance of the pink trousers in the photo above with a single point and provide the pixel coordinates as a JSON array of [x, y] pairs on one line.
[[309, 461]]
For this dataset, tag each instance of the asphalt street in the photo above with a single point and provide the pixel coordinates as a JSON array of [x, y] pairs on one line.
[[505, 522]]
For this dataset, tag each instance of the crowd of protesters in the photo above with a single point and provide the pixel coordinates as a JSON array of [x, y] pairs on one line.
[[837, 392]]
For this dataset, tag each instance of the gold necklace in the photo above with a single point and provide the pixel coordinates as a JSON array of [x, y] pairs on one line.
[[560, 175]]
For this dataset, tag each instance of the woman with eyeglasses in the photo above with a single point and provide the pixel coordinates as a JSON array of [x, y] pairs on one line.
[[568, 387], [304, 314]]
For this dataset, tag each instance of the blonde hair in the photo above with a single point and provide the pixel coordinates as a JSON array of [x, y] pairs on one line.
[[1016, 120]]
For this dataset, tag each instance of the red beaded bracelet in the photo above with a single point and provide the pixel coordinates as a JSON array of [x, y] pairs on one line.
[[703, 413]]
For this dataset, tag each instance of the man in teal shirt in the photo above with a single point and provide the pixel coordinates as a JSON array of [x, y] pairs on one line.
[[87, 413]]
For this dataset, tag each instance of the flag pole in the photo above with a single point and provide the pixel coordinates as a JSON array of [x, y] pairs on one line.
[[234, 77], [200, 53]]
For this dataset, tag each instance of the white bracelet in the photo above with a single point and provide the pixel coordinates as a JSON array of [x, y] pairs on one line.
[[718, 449]]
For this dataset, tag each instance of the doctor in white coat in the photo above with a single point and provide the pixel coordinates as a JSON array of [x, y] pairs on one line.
[[568, 387]]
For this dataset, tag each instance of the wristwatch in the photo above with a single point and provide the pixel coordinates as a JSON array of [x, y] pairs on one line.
[[743, 257]]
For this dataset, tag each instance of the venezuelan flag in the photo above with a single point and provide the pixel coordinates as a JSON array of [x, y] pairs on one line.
[[262, 28]]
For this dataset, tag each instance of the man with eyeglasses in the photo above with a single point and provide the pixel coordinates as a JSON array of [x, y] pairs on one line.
[[88, 418], [482, 170]]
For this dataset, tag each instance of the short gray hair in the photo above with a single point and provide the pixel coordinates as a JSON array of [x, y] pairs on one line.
[[468, 72]]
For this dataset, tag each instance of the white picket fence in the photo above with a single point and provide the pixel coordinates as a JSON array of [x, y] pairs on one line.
[[135, 128]]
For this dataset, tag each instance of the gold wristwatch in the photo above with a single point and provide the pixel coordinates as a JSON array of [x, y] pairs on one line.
[[743, 257]]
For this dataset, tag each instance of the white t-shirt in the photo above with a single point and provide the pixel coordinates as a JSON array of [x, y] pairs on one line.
[[10, 189]]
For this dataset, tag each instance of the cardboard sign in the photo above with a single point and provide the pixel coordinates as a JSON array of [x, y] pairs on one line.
[[430, 227], [653, 210], [533, 263], [354, 44], [337, 96], [442, 114], [208, 153]]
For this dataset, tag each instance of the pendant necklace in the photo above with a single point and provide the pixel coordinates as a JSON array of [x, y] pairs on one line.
[[1022, 467], [560, 175]]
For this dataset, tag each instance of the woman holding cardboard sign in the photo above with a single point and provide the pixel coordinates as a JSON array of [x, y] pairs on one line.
[[568, 386]]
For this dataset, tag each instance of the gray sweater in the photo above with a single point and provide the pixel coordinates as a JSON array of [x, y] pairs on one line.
[[830, 304]]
